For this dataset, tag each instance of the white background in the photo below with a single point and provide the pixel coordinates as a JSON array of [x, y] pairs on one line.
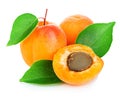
[[12, 66]]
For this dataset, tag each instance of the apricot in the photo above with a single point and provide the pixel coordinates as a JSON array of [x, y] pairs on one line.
[[42, 43], [76, 64], [73, 25]]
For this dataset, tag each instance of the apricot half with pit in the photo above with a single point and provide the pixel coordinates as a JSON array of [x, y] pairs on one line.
[[76, 64]]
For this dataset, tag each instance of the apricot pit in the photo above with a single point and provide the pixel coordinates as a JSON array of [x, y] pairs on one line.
[[79, 61]]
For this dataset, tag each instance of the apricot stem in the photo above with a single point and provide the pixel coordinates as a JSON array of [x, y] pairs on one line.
[[45, 16]]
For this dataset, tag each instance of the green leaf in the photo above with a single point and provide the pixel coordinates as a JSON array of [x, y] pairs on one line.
[[98, 36], [22, 27], [41, 72]]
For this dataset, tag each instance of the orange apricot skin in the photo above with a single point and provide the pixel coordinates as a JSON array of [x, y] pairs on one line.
[[42, 43], [71, 77], [73, 25]]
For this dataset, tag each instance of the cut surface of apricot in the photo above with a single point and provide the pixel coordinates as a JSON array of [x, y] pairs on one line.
[[76, 64]]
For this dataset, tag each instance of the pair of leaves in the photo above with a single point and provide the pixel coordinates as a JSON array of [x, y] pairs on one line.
[[98, 36], [41, 72]]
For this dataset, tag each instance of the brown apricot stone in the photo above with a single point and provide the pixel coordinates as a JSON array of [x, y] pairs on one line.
[[79, 61], [76, 64]]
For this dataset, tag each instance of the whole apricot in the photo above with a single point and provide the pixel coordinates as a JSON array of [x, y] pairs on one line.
[[76, 64], [43, 42], [73, 25]]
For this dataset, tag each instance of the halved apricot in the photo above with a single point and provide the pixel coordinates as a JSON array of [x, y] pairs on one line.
[[76, 64]]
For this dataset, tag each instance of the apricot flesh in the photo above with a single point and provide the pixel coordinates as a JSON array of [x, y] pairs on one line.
[[73, 77]]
